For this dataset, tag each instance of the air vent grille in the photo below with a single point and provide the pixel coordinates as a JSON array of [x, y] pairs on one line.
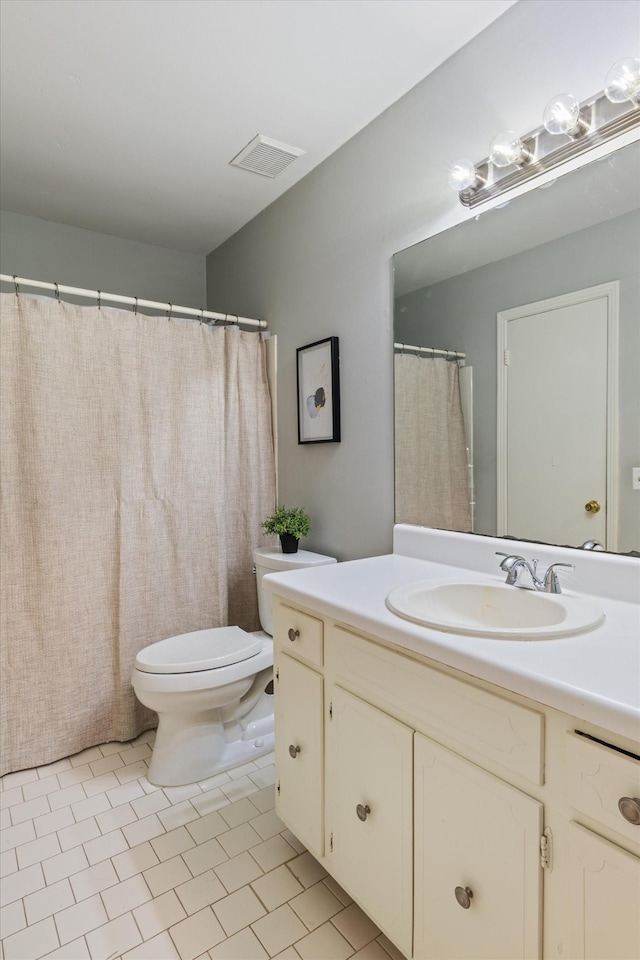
[[266, 157]]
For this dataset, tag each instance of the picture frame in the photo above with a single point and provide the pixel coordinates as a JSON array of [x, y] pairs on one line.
[[318, 383]]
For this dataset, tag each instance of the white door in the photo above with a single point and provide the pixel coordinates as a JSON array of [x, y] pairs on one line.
[[556, 410]]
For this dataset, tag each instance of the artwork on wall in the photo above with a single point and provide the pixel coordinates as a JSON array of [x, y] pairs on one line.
[[318, 392]]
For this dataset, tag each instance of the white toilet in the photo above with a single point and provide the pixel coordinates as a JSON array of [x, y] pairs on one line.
[[212, 689]]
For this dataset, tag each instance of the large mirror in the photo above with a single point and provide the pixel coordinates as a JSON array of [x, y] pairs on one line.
[[535, 431]]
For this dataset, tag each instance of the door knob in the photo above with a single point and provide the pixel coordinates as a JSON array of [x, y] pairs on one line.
[[464, 896], [363, 811], [293, 751], [592, 506], [629, 807], [293, 634]]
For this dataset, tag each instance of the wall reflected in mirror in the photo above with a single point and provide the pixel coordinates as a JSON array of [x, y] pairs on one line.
[[546, 419]]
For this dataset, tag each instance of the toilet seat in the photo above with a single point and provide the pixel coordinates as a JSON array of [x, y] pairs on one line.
[[199, 650]]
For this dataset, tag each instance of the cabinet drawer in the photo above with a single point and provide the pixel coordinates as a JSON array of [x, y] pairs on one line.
[[463, 717], [297, 633], [598, 777]]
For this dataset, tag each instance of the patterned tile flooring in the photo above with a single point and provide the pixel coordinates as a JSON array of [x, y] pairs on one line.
[[98, 863]]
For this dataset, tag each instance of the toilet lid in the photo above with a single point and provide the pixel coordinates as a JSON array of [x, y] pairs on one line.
[[200, 650]]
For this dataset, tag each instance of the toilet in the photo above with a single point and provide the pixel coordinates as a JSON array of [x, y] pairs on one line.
[[212, 689]]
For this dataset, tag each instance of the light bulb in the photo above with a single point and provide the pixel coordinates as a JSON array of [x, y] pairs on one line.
[[462, 175], [508, 148], [562, 115], [623, 81]]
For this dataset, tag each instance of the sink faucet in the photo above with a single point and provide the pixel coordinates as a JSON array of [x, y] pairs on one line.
[[513, 565]]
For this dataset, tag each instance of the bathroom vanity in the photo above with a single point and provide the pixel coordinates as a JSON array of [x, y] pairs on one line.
[[477, 798]]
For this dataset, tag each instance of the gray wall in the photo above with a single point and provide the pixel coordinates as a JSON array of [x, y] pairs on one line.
[[461, 313], [317, 262], [43, 250]]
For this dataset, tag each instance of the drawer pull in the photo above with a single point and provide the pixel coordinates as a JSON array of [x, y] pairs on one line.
[[363, 812], [293, 751], [293, 634], [629, 807], [464, 896]]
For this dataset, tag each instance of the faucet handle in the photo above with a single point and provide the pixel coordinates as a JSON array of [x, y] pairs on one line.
[[508, 557], [551, 584]]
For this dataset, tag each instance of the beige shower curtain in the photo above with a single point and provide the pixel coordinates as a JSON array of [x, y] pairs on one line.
[[136, 467], [431, 466]]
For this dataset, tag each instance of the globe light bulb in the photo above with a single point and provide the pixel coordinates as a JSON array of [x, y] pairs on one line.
[[508, 148], [562, 115], [623, 81], [462, 175]]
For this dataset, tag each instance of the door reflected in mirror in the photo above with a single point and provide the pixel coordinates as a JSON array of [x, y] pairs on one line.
[[542, 297]]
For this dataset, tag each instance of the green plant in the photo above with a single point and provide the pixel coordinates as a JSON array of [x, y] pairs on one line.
[[291, 520]]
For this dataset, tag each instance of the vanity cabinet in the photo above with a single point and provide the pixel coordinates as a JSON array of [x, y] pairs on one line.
[[467, 822]]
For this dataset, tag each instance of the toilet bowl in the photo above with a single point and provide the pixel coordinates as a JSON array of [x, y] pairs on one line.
[[212, 690]]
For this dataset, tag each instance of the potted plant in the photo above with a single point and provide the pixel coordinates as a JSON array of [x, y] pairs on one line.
[[290, 523]]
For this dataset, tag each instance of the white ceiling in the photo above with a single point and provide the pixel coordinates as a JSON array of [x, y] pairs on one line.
[[121, 116]]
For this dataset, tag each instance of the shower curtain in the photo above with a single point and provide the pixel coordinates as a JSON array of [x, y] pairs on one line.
[[431, 467], [136, 466]]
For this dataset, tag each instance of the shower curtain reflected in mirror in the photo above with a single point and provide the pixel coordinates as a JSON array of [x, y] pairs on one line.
[[432, 461], [137, 464]]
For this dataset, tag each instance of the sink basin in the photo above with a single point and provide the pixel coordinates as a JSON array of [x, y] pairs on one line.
[[494, 610]]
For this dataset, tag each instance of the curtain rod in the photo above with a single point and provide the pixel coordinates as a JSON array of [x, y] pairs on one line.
[[454, 354], [136, 302]]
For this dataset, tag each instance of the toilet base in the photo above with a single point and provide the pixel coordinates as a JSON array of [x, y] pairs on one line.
[[233, 754], [194, 747]]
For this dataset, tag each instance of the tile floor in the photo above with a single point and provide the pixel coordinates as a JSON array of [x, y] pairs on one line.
[[98, 863]]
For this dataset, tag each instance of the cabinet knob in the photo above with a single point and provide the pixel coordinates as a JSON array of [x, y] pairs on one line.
[[293, 751], [629, 807], [363, 811], [592, 506], [293, 634], [464, 896]]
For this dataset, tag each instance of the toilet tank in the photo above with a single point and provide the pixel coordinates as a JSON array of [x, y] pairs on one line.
[[271, 560]]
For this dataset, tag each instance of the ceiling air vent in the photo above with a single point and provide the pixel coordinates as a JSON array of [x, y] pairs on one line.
[[265, 156]]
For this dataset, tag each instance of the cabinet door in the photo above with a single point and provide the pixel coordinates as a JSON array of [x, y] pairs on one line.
[[369, 813], [298, 749], [477, 862], [604, 898]]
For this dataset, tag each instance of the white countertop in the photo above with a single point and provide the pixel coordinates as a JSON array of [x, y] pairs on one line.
[[594, 676]]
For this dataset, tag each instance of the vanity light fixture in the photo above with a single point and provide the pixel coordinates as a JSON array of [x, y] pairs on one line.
[[514, 160]]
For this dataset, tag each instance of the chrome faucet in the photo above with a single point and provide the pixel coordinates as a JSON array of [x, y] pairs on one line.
[[513, 565]]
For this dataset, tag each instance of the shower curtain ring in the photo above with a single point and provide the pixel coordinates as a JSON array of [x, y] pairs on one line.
[[57, 291], [433, 353], [99, 300], [135, 307], [170, 311], [15, 283], [201, 316]]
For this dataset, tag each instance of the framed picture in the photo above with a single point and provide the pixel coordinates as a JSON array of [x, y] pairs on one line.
[[318, 369]]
